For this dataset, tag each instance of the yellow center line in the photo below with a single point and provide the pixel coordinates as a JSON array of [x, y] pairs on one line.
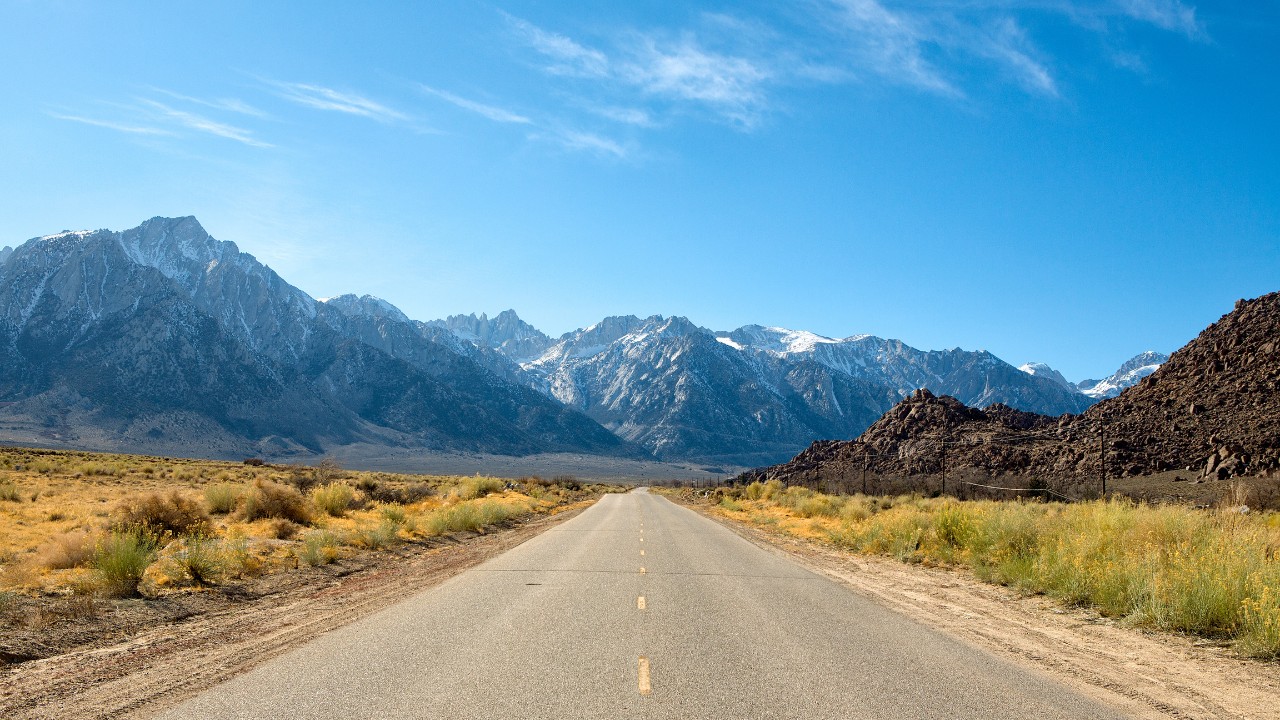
[[640, 603], [643, 677], [641, 553], [642, 571]]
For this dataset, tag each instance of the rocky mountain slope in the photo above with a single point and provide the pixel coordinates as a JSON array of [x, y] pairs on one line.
[[752, 395], [1212, 409], [163, 338]]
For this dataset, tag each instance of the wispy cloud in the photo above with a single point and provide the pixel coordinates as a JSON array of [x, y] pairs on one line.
[[1170, 15], [204, 124], [491, 112], [733, 86], [625, 115], [226, 104], [118, 127], [567, 56], [658, 66], [585, 142], [1007, 44], [889, 44], [320, 97]]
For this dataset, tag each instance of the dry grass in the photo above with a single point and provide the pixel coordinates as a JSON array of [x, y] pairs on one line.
[[1214, 573], [84, 523], [66, 551]]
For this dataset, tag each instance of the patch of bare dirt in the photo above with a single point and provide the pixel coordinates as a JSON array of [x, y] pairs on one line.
[[1148, 675], [140, 657]]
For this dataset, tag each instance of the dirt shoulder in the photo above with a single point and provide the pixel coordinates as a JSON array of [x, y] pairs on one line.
[[1148, 675], [159, 655]]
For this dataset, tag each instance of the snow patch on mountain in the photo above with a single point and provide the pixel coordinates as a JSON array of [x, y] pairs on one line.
[[1042, 370], [367, 305], [504, 332], [1129, 374]]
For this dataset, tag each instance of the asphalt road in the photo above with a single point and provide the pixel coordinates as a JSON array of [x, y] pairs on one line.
[[638, 608]]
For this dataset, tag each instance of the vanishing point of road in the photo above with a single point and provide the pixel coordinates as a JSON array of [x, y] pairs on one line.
[[638, 608]]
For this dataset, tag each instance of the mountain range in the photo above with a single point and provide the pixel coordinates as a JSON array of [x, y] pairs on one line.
[[163, 339]]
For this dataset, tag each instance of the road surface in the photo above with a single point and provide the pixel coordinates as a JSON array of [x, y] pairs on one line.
[[638, 608]]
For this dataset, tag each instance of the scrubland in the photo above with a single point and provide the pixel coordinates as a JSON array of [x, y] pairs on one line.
[[1208, 572], [82, 529]]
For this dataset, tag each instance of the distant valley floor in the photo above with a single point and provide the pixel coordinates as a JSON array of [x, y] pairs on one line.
[[379, 458]]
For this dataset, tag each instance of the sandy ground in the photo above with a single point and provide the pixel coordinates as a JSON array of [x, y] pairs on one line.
[[155, 666], [1147, 675]]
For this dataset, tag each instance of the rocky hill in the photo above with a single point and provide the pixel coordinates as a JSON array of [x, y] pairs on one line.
[[1213, 410], [161, 338]]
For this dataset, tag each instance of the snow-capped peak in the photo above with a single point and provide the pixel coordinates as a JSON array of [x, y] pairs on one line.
[[368, 305], [779, 340], [1129, 374], [1042, 370], [68, 234]]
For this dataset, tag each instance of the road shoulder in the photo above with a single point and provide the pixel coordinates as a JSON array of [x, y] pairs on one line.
[[1147, 675]]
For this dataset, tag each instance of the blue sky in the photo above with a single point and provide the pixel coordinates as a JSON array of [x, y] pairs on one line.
[[1056, 180]]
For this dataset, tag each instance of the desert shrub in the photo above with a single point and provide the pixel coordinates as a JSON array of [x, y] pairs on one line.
[[319, 548], [73, 549], [470, 516], [237, 561], [1259, 626], [272, 500], [302, 478], [406, 495], [334, 498], [254, 462], [380, 536], [222, 498], [1255, 493], [393, 514], [730, 504], [568, 482], [456, 518], [158, 515], [121, 558], [100, 470], [328, 470], [282, 529], [476, 487], [201, 559], [9, 492]]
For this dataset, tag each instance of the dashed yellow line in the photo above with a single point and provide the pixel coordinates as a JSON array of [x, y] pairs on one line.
[[640, 603], [641, 553], [642, 570], [642, 678]]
